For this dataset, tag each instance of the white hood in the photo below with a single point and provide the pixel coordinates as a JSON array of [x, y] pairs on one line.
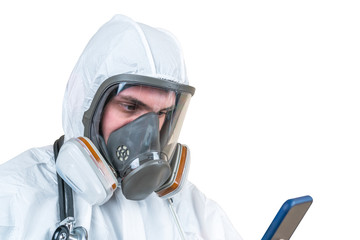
[[120, 46], [28, 182]]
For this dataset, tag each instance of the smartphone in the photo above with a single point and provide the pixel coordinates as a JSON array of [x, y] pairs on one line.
[[288, 218]]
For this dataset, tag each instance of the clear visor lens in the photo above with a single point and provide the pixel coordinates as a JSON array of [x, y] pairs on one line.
[[125, 102], [134, 101]]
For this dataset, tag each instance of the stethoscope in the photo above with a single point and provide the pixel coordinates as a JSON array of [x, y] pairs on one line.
[[66, 229]]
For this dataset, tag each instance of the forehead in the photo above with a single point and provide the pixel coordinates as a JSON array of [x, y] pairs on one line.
[[148, 95]]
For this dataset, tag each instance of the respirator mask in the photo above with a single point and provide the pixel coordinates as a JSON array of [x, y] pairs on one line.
[[130, 140]]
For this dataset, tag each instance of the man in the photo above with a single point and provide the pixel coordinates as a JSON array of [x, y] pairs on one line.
[[123, 110]]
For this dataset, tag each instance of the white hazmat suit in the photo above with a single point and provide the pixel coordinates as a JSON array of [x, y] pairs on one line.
[[28, 183]]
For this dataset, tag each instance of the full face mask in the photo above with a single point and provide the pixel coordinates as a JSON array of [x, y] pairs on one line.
[[141, 149]]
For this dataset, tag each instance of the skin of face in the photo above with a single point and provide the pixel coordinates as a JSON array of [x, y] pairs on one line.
[[134, 102]]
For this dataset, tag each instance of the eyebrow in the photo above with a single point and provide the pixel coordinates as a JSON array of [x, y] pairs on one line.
[[140, 103]]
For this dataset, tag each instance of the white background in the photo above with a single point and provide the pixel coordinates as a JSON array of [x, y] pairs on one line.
[[275, 114]]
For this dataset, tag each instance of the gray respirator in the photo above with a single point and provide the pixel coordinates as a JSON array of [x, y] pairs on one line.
[[138, 156]]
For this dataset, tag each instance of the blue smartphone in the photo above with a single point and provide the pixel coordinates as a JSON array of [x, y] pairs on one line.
[[288, 218]]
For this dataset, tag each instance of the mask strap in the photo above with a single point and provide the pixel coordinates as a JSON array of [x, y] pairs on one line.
[[66, 229], [66, 205]]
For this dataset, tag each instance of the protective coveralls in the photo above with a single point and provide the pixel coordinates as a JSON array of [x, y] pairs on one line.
[[28, 183]]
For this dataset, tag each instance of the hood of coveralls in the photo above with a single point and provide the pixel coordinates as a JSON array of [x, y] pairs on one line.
[[119, 46]]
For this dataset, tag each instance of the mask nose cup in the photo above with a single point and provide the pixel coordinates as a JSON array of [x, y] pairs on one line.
[[134, 151]]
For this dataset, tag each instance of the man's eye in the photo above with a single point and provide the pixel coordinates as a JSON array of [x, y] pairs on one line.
[[129, 107], [163, 112]]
